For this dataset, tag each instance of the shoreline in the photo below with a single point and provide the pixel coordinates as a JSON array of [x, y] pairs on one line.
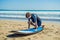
[[17, 20]]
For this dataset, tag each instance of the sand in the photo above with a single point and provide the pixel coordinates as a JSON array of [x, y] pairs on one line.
[[51, 31]]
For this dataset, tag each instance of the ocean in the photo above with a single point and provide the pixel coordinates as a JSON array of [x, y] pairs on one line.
[[20, 15]]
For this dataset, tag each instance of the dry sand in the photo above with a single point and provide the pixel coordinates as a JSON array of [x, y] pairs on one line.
[[51, 31]]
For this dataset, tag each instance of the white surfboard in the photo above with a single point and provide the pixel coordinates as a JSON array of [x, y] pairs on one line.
[[30, 31]]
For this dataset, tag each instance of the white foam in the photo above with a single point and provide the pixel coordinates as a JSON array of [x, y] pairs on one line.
[[23, 12], [43, 17], [12, 16]]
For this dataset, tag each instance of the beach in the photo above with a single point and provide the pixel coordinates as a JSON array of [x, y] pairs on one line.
[[14, 15], [51, 30]]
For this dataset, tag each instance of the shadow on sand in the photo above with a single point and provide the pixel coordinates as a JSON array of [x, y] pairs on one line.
[[17, 35]]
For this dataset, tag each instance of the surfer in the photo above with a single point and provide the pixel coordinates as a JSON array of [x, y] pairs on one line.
[[34, 20]]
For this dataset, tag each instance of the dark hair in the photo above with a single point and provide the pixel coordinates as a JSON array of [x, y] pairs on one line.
[[27, 14]]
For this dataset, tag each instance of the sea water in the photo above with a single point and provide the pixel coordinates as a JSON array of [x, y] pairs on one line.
[[20, 15]]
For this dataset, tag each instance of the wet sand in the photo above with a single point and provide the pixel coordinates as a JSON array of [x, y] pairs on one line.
[[51, 31]]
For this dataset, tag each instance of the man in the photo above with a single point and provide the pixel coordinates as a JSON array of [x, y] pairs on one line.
[[33, 19]]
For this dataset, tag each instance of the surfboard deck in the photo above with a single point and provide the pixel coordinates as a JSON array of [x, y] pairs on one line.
[[30, 31]]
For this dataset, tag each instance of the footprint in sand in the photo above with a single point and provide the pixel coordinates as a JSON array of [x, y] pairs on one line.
[[29, 38], [0, 33], [35, 37], [18, 25], [5, 38], [56, 38], [45, 32], [57, 32], [52, 25], [49, 35]]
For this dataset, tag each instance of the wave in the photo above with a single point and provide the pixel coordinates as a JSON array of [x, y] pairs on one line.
[[21, 14], [11, 16]]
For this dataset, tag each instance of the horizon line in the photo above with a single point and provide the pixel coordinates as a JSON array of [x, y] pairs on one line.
[[26, 10]]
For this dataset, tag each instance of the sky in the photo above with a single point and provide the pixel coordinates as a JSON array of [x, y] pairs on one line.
[[30, 4]]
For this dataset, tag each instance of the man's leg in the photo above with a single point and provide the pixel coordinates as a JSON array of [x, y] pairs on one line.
[[39, 24]]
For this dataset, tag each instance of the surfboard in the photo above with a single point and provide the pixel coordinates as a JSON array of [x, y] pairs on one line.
[[30, 31]]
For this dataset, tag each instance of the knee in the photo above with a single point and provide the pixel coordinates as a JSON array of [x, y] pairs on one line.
[[29, 22]]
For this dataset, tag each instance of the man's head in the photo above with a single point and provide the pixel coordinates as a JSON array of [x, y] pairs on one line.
[[28, 15]]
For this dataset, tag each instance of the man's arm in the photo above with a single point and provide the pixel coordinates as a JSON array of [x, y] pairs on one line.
[[36, 24], [28, 24]]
